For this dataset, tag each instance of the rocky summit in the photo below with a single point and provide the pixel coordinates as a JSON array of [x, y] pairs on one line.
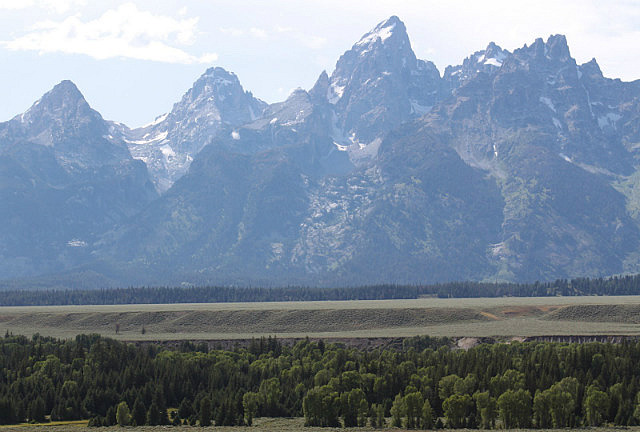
[[517, 166]]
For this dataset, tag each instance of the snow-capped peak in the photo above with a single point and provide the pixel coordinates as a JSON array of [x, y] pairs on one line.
[[382, 31]]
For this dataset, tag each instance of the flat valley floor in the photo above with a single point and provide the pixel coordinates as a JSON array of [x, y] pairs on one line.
[[504, 317], [261, 425]]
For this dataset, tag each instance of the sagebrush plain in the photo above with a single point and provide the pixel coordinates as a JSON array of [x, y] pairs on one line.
[[478, 317]]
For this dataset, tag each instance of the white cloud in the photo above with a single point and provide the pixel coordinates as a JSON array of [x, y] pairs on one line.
[[232, 31], [59, 6], [123, 32], [313, 42], [258, 32]]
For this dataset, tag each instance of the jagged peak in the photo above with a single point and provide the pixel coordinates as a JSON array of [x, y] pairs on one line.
[[211, 83], [297, 93], [591, 69], [320, 88], [63, 101], [388, 29], [218, 76], [493, 49], [218, 72], [557, 47], [63, 93]]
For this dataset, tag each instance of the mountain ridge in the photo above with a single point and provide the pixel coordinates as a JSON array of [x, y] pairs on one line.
[[513, 166]]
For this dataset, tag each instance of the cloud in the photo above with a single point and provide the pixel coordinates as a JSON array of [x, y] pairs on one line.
[[232, 31], [313, 42], [258, 32], [278, 32], [123, 32], [59, 6]]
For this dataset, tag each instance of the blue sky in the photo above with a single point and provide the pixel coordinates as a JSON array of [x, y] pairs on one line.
[[133, 59]]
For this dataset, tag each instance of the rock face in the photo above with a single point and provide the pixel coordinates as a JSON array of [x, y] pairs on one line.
[[169, 144], [512, 166], [64, 180]]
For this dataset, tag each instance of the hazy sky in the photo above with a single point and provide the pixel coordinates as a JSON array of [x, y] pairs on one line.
[[133, 59]]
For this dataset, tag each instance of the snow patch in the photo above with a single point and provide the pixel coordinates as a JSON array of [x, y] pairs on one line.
[[161, 136], [334, 93], [76, 243], [340, 147], [274, 120], [493, 62], [382, 33], [548, 103], [608, 120], [418, 109], [167, 151], [235, 135], [157, 120], [557, 123], [565, 157]]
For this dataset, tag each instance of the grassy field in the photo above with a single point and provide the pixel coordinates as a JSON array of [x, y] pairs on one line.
[[260, 425], [485, 317]]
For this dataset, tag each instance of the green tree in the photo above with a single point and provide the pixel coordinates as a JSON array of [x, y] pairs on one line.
[[542, 410], [377, 416], [270, 394], [510, 380], [466, 386], [321, 406], [636, 411], [205, 412], [250, 402], [562, 403], [123, 415], [427, 415], [353, 403], [37, 410], [414, 403], [139, 414], [515, 408], [456, 409], [487, 409], [154, 415], [398, 411], [447, 386], [596, 406], [185, 409]]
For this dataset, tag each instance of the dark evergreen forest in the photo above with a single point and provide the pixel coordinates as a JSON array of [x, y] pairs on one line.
[[626, 285], [424, 384]]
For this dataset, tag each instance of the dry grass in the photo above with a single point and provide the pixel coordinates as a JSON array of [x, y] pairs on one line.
[[261, 425], [621, 313], [493, 317]]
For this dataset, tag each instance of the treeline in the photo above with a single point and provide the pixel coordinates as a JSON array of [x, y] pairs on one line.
[[425, 384], [627, 285]]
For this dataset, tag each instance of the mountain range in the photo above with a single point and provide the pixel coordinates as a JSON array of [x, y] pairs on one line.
[[517, 166]]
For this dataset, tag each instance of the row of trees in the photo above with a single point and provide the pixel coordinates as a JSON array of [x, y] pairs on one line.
[[424, 384], [628, 285]]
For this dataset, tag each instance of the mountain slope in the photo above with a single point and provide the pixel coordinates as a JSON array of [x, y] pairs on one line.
[[169, 144], [64, 180], [515, 166]]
